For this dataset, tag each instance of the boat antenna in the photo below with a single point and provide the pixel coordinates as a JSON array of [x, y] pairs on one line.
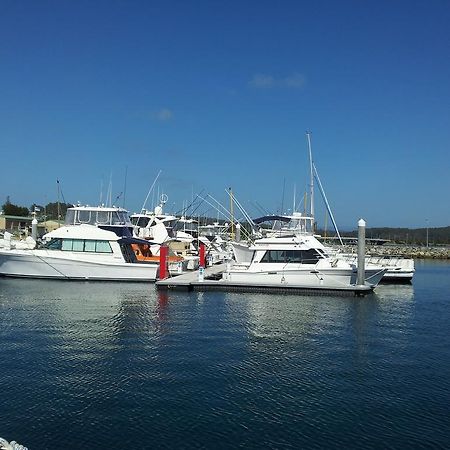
[[311, 179], [293, 206], [125, 187], [59, 206], [150, 190], [230, 193], [101, 191], [282, 197]]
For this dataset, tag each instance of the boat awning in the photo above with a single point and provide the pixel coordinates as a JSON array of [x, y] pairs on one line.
[[271, 219]]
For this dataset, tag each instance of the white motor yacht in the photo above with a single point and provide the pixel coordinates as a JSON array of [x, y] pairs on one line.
[[297, 261], [81, 252]]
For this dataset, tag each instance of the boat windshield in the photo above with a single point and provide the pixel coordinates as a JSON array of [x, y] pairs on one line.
[[310, 256], [142, 221], [99, 217]]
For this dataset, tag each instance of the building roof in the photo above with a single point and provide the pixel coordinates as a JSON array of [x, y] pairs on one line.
[[29, 219]]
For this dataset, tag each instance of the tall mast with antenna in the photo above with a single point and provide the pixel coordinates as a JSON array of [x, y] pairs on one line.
[[311, 181]]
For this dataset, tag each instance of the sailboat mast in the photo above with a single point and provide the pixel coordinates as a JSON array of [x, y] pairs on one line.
[[311, 181]]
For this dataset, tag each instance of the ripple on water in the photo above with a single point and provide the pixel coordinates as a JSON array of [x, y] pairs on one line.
[[89, 365]]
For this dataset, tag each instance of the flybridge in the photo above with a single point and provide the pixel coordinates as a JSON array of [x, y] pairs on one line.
[[108, 218], [97, 215]]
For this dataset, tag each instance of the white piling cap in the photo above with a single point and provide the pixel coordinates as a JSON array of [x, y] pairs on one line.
[[361, 223]]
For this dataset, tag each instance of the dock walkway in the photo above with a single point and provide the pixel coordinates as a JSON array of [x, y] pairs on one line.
[[186, 279], [212, 280]]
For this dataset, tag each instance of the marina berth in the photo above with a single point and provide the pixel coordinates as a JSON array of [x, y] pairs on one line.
[[282, 264], [81, 252]]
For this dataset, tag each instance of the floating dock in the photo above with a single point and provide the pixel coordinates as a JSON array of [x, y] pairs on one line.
[[212, 280]]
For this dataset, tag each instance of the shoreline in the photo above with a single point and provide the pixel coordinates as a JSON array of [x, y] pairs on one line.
[[405, 251]]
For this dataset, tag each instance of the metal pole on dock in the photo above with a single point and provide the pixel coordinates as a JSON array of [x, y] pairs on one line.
[[163, 269], [34, 224], [361, 275]]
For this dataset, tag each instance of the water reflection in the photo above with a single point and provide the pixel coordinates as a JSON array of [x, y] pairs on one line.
[[112, 363], [395, 292]]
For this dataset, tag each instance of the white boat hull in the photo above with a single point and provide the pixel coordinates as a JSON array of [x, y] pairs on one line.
[[32, 264], [302, 278]]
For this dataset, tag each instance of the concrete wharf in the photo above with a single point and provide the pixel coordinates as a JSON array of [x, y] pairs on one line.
[[212, 280]]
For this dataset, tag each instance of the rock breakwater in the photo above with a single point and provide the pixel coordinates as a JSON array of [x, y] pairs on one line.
[[406, 251]]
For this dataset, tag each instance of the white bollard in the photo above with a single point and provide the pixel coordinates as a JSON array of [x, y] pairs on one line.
[[34, 224], [361, 274]]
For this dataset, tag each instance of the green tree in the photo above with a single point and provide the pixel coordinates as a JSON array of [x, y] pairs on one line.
[[9, 209], [51, 210]]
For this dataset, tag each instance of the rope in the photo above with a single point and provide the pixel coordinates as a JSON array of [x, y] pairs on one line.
[[54, 268]]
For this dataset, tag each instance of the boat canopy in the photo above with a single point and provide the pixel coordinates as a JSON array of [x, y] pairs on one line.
[[271, 218]]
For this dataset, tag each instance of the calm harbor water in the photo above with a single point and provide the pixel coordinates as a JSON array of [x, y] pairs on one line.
[[112, 366]]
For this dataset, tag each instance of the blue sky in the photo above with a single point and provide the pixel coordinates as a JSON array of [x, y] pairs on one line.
[[218, 94]]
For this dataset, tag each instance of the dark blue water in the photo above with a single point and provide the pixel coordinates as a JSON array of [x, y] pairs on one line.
[[113, 366]]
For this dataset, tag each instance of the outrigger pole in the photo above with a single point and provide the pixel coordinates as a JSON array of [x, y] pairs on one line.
[[327, 205]]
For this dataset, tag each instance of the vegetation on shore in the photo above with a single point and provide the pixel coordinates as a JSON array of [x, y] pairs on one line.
[[404, 236], [47, 212]]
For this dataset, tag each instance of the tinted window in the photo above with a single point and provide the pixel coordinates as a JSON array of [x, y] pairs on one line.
[[77, 245], [54, 244], [294, 256], [89, 246], [103, 247]]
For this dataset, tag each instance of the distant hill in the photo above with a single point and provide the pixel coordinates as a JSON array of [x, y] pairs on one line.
[[417, 236]]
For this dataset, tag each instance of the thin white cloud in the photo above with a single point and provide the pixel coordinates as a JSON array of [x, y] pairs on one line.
[[261, 80], [265, 81], [296, 80], [164, 115]]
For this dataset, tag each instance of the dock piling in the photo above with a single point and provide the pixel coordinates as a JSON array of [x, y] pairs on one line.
[[163, 269], [201, 254], [361, 275]]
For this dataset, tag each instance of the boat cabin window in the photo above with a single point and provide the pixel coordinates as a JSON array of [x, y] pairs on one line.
[[84, 217], [102, 247], [70, 217], [120, 218], [310, 256], [103, 217], [79, 245], [141, 221], [53, 244]]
